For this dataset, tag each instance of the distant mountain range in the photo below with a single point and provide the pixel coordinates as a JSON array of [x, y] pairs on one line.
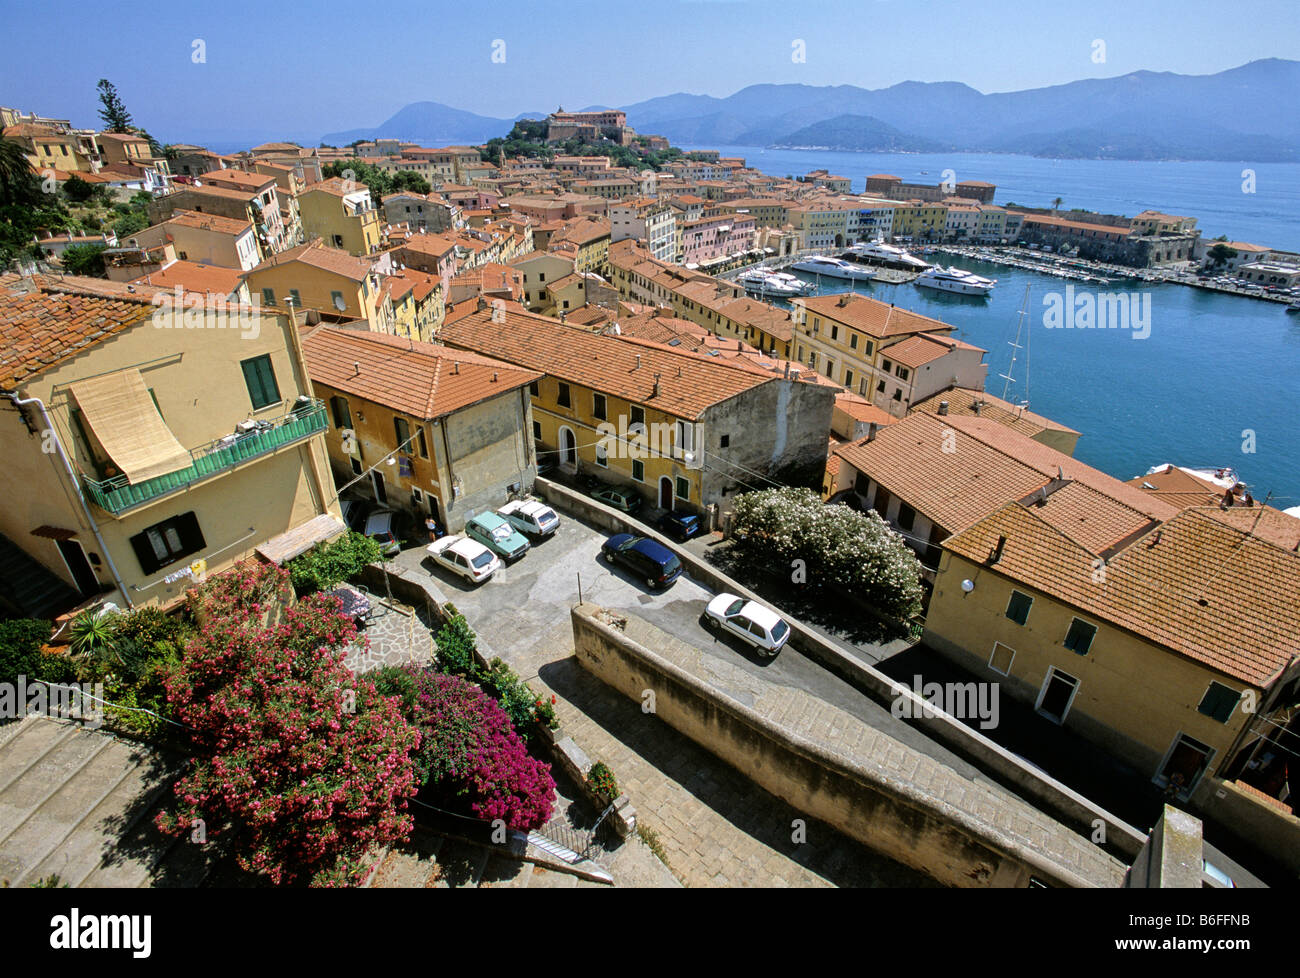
[[1238, 114]]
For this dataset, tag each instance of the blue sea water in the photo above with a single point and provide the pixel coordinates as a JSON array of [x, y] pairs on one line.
[[1215, 369], [1210, 191]]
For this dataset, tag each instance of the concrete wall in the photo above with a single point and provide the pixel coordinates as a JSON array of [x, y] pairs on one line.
[[888, 814], [1255, 822], [1049, 795]]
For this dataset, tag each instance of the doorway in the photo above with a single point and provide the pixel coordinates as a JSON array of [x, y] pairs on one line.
[[84, 575], [1057, 694], [568, 448], [665, 493], [1183, 765]]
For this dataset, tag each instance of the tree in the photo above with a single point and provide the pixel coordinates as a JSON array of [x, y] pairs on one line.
[[1220, 253], [1056, 203], [84, 259], [112, 111], [856, 552], [78, 190], [308, 767], [18, 182]]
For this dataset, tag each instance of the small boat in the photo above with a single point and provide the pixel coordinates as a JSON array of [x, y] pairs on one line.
[[834, 268], [1294, 307], [956, 280]]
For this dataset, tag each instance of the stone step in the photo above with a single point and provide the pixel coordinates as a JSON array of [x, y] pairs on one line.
[[73, 749]]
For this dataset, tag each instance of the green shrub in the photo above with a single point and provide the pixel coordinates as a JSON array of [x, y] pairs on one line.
[[20, 653], [329, 564], [601, 780], [456, 644]]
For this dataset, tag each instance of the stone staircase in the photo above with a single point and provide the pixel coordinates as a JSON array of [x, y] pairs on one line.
[[80, 804], [436, 861], [28, 588]]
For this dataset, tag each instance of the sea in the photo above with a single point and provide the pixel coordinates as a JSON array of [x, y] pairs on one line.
[[1213, 381]]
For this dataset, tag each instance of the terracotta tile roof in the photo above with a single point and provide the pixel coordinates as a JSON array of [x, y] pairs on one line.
[[423, 380], [317, 255], [961, 401], [45, 321], [860, 409], [688, 383], [917, 351], [875, 318], [1194, 585], [1265, 522], [253, 182], [207, 222], [1178, 488], [336, 186], [988, 467], [193, 277]]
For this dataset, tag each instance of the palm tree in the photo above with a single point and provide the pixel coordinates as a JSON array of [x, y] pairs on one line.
[[15, 171], [1056, 204]]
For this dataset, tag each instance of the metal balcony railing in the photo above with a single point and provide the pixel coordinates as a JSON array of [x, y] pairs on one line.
[[116, 495]]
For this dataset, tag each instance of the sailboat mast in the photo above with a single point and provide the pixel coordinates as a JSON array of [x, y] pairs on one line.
[[1009, 376]]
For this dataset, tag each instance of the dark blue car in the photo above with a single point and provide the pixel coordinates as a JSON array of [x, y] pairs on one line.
[[652, 562], [680, 526]]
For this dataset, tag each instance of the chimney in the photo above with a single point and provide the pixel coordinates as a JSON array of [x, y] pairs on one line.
[[976, 405], [481, 304], [997, 551], [656, 388], [638, 362], [843, 301], [455, 367], [943, 408], [356, 368]]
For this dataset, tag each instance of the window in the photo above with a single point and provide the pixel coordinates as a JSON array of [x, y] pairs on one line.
[[1018, 607], [1079, 637], [830, 368], [421, 443], [1057, 694], [167, 542], [901, 372], [638, 415], [906, 516], [880, 387], [1000, 660], [602, 456], [848, 378], [684, 434], [1219, 701], [356, 464], [403, 432], [886, 365], [835, 331], [297, 299], [260, 378], [268, 296], [537, 431], [724, 441], [598, 406], [336, 298], [853, 341], [683, 488], [533, 389], [342, 416], [898, 394], [638, 470], [563, 399]]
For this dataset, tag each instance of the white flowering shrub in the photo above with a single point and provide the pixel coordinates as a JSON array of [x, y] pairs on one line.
[[856, 551]]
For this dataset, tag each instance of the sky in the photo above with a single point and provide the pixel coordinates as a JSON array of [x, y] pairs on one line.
[[221, 70]]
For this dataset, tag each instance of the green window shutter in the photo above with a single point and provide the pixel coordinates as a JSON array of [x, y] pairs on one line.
[[1018, 607], [1079, 637], [260, 378], [1219, 701], [403, 432]]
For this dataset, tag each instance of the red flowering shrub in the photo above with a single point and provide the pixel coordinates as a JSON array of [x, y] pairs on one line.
[[311, 767], [472, 756]]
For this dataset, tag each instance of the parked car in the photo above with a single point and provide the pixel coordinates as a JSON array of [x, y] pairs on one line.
[[620, 497], [652, 562], [388, 528], [750, 621], [530, 516], [681, 526], [466, 557], [497, 534]]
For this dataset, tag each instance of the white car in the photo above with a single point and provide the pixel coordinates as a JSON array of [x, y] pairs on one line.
[[530, 516], [466, 557], [760, 627]]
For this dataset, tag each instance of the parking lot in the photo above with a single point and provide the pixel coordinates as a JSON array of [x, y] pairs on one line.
[[522, 615]]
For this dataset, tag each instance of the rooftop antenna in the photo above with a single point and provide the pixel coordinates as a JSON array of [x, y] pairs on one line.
[[1009, 376]]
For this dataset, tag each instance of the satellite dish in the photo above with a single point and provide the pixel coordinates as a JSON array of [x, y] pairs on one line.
[[339, 304]]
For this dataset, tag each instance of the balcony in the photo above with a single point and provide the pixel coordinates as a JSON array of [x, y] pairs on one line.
[[116, 495]]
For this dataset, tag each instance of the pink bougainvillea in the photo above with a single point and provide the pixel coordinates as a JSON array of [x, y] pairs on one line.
[[309, 765], [472, 753]]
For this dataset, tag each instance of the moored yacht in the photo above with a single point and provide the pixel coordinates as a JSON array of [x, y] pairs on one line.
[[889, 255], [834, 268], [956, 280], [780, 284]]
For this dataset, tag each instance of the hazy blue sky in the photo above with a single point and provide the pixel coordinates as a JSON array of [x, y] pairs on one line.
[[306, 69]]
